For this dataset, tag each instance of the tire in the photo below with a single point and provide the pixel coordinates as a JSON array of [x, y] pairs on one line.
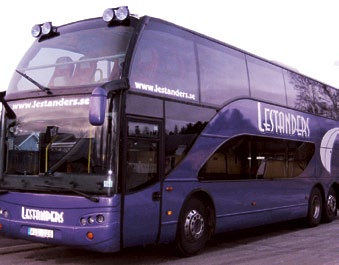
[[192, 230], [330, 206], [315, 206]]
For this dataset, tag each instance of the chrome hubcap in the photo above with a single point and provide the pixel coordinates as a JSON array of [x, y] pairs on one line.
[[316, 207], [194, 225], [331, 203]]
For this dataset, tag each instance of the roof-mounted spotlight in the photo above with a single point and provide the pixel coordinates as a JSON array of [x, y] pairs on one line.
[[36, 30], [115, 14], [43, 29], [47, 28]]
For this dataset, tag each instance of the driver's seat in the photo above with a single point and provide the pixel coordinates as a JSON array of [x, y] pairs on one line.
[[84, 71], [63, 72]]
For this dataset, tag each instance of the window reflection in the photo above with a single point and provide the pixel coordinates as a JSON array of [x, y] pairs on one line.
[[311, 96], [42, 142], [183, 124], [142, 154], [142, 160]]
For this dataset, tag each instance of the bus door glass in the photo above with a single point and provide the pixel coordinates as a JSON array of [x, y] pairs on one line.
[[141, 207]]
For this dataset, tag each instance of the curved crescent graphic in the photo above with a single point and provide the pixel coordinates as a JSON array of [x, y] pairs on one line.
[[326, 147]]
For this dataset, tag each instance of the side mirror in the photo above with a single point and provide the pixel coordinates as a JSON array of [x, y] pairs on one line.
[[97, 106]]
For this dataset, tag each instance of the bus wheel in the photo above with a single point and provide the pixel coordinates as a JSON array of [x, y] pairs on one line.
[[314, 208], [192, 231], [330, 206]]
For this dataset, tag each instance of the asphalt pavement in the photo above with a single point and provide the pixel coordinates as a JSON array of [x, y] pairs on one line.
[[9, 245]]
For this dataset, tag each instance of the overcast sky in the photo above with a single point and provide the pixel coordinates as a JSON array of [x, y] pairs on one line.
[[303, 34]]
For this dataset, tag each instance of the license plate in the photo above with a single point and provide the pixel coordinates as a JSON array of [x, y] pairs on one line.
[[38, 232]]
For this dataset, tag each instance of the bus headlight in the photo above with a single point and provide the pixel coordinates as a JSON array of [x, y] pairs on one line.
[[92, 219], [117, 14], [100, 218], [4, 213], [83, 221]]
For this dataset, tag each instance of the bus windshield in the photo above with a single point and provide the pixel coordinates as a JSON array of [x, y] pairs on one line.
[[88, 56], [52, 143]]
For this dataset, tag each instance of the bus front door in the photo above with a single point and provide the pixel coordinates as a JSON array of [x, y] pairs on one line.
[[141, 201]]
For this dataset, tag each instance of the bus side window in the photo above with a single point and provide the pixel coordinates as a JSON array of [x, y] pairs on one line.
[[215, 167], [165, 61], [275, 167], [183, 124], [254, 157], [146, 65]]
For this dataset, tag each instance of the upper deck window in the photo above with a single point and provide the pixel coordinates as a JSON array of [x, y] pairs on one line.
[[164, 64], [223, 73], [74, 58], [266, 81], [311, 96]]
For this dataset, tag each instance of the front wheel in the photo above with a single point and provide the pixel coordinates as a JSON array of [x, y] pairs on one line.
[[314, 208], [330, 206], [192, 231]]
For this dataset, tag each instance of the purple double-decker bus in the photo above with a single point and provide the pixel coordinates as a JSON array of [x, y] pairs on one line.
[[120, 131]]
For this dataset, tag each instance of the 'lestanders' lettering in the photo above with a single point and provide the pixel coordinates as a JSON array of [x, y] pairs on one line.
[[280, 122], [38, 215]]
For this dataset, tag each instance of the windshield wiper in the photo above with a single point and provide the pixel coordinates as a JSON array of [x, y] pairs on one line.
[[87, 196], [41, 87]]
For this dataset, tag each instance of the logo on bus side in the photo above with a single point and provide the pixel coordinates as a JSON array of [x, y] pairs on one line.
[[326, 147], [281, 122], [38, 215]]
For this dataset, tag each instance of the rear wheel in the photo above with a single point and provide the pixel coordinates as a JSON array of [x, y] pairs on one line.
[[330, 206], [314, 207], [192, 231]]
